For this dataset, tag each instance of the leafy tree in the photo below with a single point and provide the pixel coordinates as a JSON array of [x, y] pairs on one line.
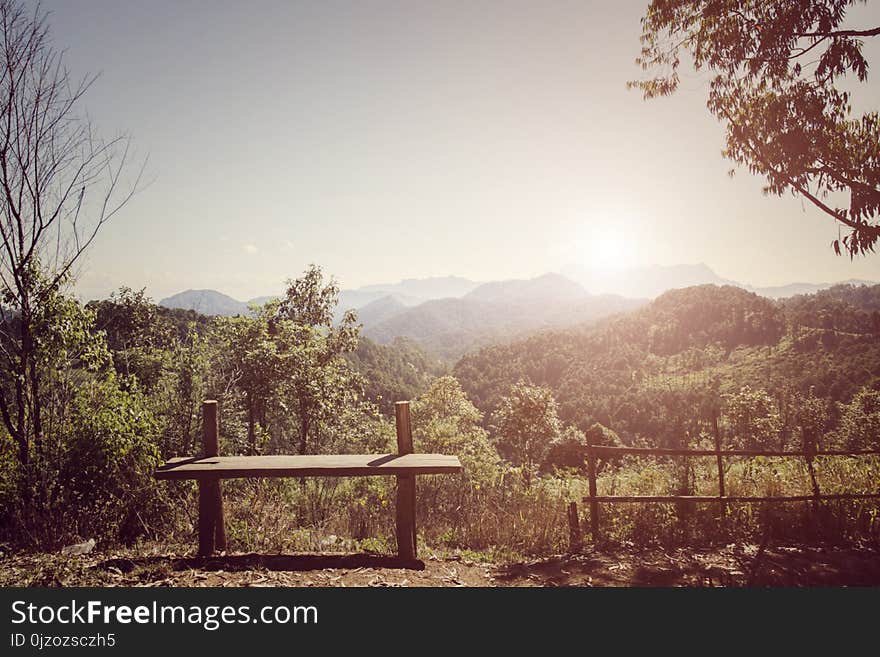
[[777, 68], [526, 424], [316, 377], [446, 422], [251, 356], [130, 319], [163, 353], [812, 418], [860, 420], [65, 351], [90, 472], [569, 449], [287, 362], [177, 396]]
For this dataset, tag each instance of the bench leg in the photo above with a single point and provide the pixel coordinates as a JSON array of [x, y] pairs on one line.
[[219, 522], [406, 517], [212, 529], [207, 517]]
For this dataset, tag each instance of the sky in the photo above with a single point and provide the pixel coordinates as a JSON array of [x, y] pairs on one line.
[[407, 139]]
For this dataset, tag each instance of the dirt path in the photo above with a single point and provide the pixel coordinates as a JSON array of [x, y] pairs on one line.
[[734, 565], [127, 569]]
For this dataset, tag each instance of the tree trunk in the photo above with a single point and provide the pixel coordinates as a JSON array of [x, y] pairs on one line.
[[21, 384], [36, 410], [252, 433], [303, 434], [23, 441]]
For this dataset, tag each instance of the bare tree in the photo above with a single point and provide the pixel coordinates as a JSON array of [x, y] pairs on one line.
[[59, 184]]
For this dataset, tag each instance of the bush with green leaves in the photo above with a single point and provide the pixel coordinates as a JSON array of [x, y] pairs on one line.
[[859, 426], [89, 467], [526, 423], [105, 486]]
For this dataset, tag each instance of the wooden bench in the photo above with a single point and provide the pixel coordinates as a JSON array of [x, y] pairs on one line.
[[209, 469]]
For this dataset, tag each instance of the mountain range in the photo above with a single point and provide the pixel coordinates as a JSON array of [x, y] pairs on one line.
[[450, 315], [491, 312], [652, 281]]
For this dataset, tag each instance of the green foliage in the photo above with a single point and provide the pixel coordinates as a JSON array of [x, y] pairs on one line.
[[177, 396], [282, 374], [842, 308], [569, 450], [143, 336], [446, 422], [316, 376], [90, 467]]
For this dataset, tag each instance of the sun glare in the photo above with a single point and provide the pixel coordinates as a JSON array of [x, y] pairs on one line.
[[605, 250]]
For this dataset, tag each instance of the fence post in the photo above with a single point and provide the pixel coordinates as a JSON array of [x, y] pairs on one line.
[[594, 503], [810, 449], [720, 462], [406, 487], [575, 538], [809, 455], [212, 529]]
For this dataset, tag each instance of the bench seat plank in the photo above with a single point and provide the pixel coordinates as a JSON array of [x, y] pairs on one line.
[[310, 465]]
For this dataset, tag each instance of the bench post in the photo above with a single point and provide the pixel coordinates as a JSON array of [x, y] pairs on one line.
[[212, 529], [406, 488]]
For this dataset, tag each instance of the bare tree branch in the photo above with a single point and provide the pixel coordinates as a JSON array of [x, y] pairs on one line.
[[59, 185]]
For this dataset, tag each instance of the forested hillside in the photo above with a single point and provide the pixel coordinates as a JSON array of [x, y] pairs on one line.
[[292, 377], [651, 373], [394, 372]]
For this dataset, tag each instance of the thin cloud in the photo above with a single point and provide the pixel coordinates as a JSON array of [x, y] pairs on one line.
[[250, 249]]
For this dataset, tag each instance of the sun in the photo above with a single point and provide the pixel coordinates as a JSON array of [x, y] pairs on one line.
[[607, 250]]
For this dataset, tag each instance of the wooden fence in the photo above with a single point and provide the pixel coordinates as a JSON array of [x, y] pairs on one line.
[[595, 500]]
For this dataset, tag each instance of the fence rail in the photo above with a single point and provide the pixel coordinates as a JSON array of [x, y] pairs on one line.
[[594, 499], [663, 451], [732, 498]]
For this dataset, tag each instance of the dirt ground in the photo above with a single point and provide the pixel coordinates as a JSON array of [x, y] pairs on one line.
[[733, 565]]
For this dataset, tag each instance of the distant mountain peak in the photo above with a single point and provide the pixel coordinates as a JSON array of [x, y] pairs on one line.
[[380, 310], [435, 287], [206, 302], [548, 287]]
